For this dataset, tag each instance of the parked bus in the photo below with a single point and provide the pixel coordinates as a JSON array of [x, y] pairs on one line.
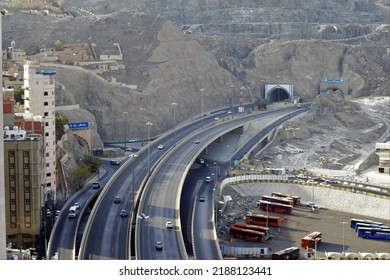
[[281, 200], [352, 222], [265, 230], [366, 225], [291, 253], [296, 198], [247, 234], [374, 233], [311, 240], [263, 220], [275, 207]]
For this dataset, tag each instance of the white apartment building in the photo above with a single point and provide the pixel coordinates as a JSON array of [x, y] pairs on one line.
[[39, 95], [383, 152]]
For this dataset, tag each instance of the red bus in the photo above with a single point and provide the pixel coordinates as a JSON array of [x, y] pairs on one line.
[[296, 198], [262, 220], [311, 240], [291, 253], [281, 200], [275, 207], [254, 227], [247, 234]]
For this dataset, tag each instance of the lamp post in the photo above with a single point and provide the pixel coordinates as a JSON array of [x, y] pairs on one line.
[[132, 206], [202, 91], [343, 223], [125, 116], [149, 124], [142, 126], [174, 104]]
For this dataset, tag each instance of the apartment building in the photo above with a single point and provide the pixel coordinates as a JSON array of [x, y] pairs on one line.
[[23, 170], [383, 152], [39, 95]]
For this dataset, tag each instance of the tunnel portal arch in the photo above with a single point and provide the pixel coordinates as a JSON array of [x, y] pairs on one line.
[[278, 92]]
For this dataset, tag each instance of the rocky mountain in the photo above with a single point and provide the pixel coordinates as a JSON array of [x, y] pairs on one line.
[[173, 49]]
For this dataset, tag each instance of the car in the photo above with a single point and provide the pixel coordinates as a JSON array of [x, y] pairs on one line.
[[77, 205], [117, 199], [95, 185], [313, 205], [133, 140], [331, 181], [114, 162], [197, 141], [58, 212], [129, 149], [158, 245], [208, 179], [229, 112], [168, 224], [216, 118], [200, 160], [123, 213], [201, 198], [160, 147], [48, 214]]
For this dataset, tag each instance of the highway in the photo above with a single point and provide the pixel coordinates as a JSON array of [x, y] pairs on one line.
[[161, 199]]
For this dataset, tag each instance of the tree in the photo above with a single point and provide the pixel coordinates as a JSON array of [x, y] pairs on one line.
[[262, 104], [92, 162], [79, 175], [58, 45], [19, 93], [61, 121]]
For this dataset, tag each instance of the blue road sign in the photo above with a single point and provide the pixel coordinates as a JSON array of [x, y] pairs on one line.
[[78, 125]]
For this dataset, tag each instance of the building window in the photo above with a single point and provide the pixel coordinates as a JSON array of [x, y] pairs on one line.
[[47, 134], [45, 93], [47, 164], [46, 124], [45, 103], [48, 174], [46, 114]]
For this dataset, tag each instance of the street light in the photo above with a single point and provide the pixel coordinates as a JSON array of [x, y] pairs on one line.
[[142, 126], [125, 116], [343, 223], [174, 104], [133, 207], [202, 91], [149, 124]]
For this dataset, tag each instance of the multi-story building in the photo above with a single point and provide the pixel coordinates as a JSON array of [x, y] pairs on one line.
[[23, 170], [39, 95], [383, 152]]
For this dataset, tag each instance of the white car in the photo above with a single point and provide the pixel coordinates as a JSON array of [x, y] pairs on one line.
[[208, 179], [160, 147], [313, 205], [168, 224], [197, 141]]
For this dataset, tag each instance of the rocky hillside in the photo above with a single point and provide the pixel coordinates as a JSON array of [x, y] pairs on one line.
[[172, 49]]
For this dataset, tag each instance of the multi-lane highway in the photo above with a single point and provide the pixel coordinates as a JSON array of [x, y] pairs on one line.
[[107, 234]]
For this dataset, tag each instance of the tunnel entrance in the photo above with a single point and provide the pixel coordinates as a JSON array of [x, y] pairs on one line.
[[277, 94]]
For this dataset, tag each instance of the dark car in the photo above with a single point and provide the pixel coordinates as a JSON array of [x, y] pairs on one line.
[[114, 162], [123, 213], [95, 185], [117, 199], [158, 245]]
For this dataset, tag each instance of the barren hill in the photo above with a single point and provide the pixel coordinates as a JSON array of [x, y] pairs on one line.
[[172, 49]]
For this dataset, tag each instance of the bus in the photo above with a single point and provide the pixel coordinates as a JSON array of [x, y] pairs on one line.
[[311, 240], [254, 227], [359, 225], [247, 234], [275, 207], [291, 253], [281, 200], [374, 233], [262, 220], [353, 222], [296, 198]]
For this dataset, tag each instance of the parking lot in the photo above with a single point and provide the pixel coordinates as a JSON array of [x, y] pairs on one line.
[[300, 223]]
